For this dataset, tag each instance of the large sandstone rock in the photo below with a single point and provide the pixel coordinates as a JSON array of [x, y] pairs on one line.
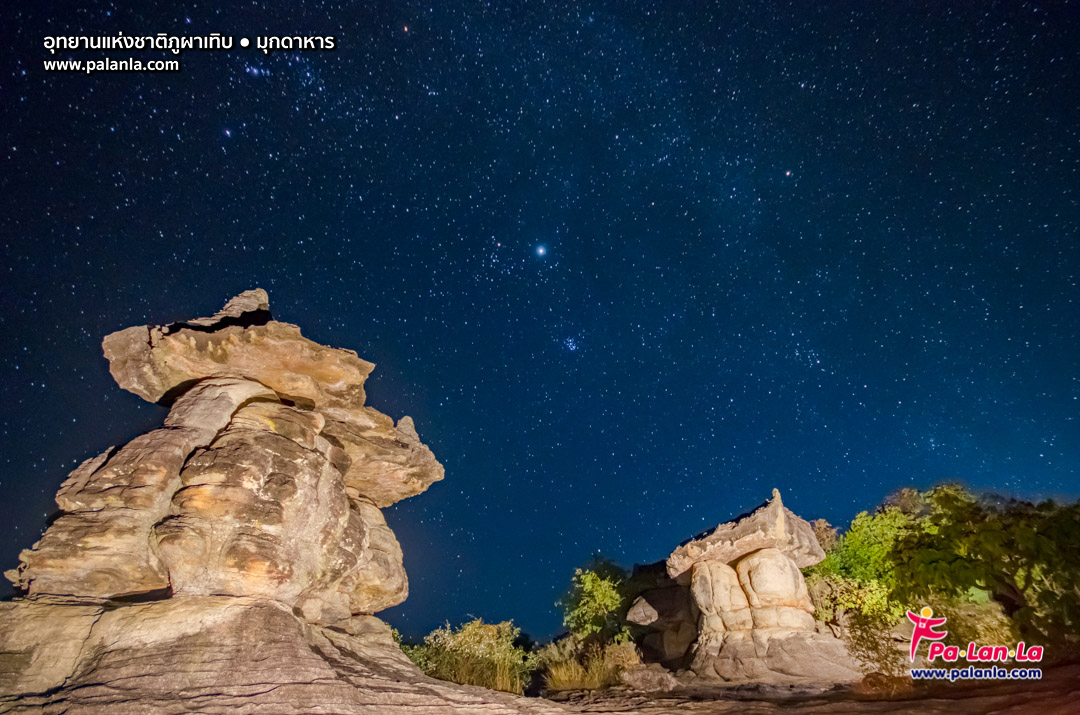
[[230, 560]]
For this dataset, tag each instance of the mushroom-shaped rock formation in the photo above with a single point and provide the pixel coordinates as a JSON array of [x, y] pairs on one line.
[[755, 617], [230, 560]]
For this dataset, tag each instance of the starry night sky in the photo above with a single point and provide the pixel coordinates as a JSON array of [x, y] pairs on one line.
[[628, 265]]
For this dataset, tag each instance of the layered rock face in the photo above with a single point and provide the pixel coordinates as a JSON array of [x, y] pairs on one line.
[[754, 615], [229, 561]]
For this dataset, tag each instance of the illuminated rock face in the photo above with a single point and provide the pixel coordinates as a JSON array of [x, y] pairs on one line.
[[265, 480], [754, 616], [229, 561]]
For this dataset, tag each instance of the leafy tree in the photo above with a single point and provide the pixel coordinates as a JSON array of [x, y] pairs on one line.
[[1023, 555], [594, 607]]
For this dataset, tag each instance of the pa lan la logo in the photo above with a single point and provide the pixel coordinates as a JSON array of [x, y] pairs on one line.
[[925, 624]]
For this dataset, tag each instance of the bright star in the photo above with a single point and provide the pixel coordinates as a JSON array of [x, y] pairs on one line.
[[541, 250]]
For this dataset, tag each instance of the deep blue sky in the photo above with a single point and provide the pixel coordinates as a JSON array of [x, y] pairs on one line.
[[628, 265]]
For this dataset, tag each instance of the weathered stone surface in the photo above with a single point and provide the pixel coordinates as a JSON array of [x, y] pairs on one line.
[[387, 463], [99, 546], [379, 581], [775, 656], [771, 526], [218, 654], [1055, 694], [40, 643]]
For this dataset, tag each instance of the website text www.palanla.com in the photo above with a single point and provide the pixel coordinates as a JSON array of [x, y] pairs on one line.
[[974, 673], [110, 65]]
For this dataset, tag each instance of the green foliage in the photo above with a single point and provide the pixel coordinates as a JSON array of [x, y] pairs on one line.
[[997, 569], [858, 573], [864, 552], [852, 588], [836, 596], [477, 653], [1024, 555], [594, 607]]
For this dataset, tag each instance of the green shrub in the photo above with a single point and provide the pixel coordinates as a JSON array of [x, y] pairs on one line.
[[477, 653], [998, 569], [852, 588], [858, 572], [594, 607]]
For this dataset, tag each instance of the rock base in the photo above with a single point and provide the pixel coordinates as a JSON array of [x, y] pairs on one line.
[[775, 656], [215, 655]]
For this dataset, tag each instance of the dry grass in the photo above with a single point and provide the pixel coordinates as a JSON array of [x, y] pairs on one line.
[[597, 668]]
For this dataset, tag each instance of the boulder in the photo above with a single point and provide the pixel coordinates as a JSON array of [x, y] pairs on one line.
[[649, 678], [720, 598], [776, 591], [671, 614]]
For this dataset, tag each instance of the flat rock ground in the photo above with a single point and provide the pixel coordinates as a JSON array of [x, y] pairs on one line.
[[1058, 693]]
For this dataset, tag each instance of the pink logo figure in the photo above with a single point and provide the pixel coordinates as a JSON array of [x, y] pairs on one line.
[[924, 628]]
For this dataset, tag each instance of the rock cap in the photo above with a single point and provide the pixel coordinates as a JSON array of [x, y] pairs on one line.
[[771, 526]]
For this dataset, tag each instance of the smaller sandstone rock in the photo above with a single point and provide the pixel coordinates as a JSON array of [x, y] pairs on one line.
[[254, 304], [648, 678]]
